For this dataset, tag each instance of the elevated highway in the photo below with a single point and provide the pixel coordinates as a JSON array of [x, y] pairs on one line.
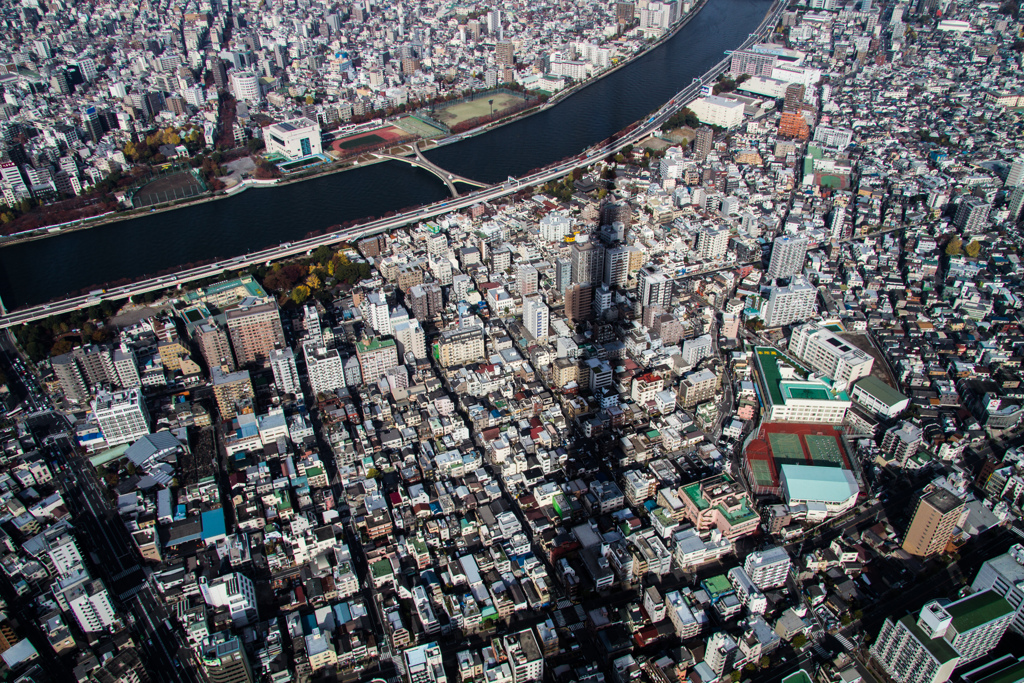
[[485, 194]]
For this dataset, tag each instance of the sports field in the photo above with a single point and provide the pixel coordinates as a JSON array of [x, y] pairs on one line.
[[787, 443], [786, 449], [352, 143], [482, 106], [383, 135], [419, 128], [824, 450]]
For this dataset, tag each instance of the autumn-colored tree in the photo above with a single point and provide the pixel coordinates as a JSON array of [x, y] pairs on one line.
[[313, 282], [300, 294], [973, 248], [954, 247]]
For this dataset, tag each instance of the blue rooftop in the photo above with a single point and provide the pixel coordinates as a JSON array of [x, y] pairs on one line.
[[819, 484], [214, 526]]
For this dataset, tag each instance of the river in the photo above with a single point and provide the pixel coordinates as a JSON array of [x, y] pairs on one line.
[[55, 267]]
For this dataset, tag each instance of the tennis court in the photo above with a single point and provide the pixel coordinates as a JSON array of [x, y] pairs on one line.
[[824, 450], [762, 472], [419, 128], [786, 449]]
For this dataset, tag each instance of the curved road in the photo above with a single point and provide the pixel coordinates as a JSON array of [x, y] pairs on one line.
[[289, 249]]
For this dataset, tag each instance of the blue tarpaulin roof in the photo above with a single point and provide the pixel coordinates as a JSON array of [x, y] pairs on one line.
[[214, 526]]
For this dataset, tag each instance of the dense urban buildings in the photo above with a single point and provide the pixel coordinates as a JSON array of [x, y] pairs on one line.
[[739, 401]]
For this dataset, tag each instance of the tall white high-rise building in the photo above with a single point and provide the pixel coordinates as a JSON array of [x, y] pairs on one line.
[[423, 664], [246, 86], [712, 243], [696, 349], [1015, 175], [126, 367], [411, 338], [286, 376], [524, 656], [64, 555], [375, 312], [555, 226], [788, 254], [1016, 202], [792, 303], [536, 317], [768, 568], [653, 287], [720, 653], [312, 326], [90, 603], [325, 369], [928, 648], [122, 416], [527, 279], [616, 266]]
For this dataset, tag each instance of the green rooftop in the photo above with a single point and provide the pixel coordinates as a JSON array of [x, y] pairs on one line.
[[742, 514], [1011, 674], [692, 492], [717, 585], [381, 568], [799, 676], [373, 345], [977, 610], [941, 650], [768, 362], [880, 390], [805, 393]]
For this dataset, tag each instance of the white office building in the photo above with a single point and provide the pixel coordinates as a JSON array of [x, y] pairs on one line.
[[555, 226], [712, 243], [767, 568], [64, 555], [829, 354], [246, 86], [286, 376], [234, 591], [325, 369], [718, 111], [790, 304], [126, 367], [90, 603], [121, 416], [697, 349], [411, 338], [536, 317], [1005, 575], [423, 664], [374, 309], [788, 254], [524, 656], [294, 139], [833, 138], [747, 591]]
